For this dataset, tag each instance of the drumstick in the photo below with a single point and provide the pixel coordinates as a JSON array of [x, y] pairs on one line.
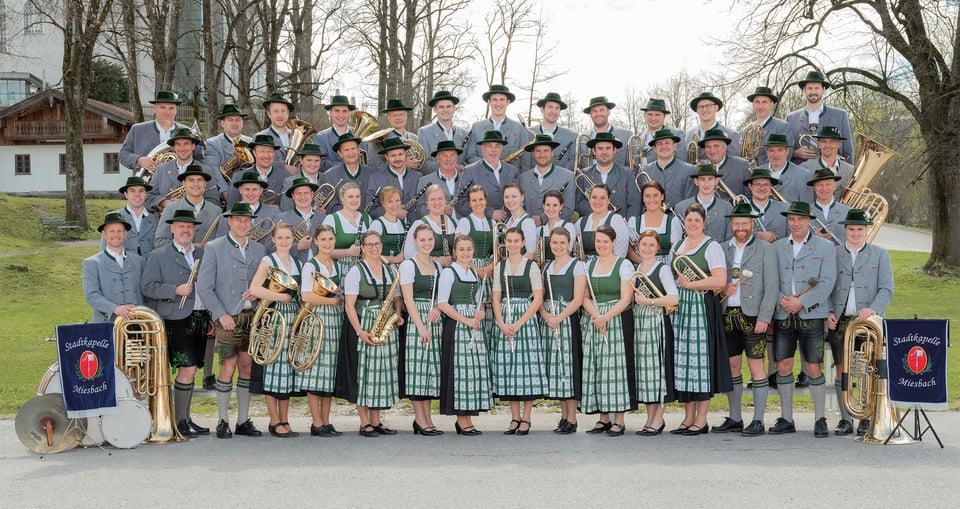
[[193, 274]]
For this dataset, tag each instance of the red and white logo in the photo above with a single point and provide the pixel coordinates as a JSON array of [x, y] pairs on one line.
[[917, 360], [89, 365]]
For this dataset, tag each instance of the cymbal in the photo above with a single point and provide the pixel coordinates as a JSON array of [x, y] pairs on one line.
[[43, 427]]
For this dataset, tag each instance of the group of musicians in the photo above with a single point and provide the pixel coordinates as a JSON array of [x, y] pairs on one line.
[[549, 279]]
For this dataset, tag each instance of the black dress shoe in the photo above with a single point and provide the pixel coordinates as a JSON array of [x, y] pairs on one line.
[[383, 430], [223, 430], [368, 431], [523, 432], [293, 433], [333, 431], [273, 431], [469, 431], [802, 382], [247, 429], [185, 430], [319, 431], [820, 428], [559, 426], [863, 427], [198, 429], [209, 383], [679, 429], [649, 431], [782, 426], [599, 427], [844, 427], [512, 430], [567, 428], [693, 430], [427, 432], [616, 430], [729, 426], [755, 429]]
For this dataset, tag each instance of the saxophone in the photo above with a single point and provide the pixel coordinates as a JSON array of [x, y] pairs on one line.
[[386, 319]]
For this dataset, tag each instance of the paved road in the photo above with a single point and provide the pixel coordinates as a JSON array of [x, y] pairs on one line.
[[903, 239], [539, 470]]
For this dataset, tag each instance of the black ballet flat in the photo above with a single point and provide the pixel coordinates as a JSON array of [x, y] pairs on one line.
[[616, 433], [273, 431], [599, 428], [680, 429], [700, 430], [649, 431]]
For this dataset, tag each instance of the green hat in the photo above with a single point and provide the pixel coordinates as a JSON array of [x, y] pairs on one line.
[[776, 140], [552, 96], [656, 105], [240, 209], [706, 170], [598, 101], [857, 216], [829, 131], [823, 174], [798, 208], [230, 110], [761, 173], [263, 140], [392, 144], [446, 145], [345, 137], [113, 217], [763, 91], [608, 137], [194, 169], [166, 97], [499, 89], [743, 210], [396, 105], [663, 134], [182, 133], [183, 216], [541, 139], [493, 136], [250, 177], [135, 181], [339, 100], [311, 149], [300, 182], [277, 97], [706, 96], [443, 95], [714, 134], [814, 77]]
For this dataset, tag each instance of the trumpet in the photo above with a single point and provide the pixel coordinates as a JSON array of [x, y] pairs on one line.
[[301, 230], [324, 194], [306, 336], [684, 266], [693, 149], [751, 141], [809, 141], [744, 275], [636, 152], [645, 287], [820, 227]]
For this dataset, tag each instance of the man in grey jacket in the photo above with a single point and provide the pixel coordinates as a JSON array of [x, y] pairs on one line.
[[111, 278], [815, 113]]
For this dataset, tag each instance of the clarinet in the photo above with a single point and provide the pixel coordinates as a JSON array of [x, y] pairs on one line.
[[443, 235], [456, 199], [564, 152], [466, 139], [365, 212], [409, 204]]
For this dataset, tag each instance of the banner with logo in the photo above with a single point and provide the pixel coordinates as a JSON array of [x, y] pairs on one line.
[[86, 368], [917, 362]]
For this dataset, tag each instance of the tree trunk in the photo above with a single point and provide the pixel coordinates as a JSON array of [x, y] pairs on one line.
[[130, 63], [943, 173], [211, 81]]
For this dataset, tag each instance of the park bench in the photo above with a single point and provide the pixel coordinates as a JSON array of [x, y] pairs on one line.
[[58, 226]]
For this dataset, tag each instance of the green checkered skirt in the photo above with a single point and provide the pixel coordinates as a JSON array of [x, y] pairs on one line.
[[322, 376], [279, 377], [377, 365], [422, 361], [605, 383], [561, 348], [519, 367], [691, 345], [654, 368], [465, 375]]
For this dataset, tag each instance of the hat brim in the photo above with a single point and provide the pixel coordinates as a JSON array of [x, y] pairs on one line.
[[803, 83], [238, 214], [856, 222], [104, 225], [330, 106], [261, 183], [703, 142], [653, 142], [404, 108], [510, 96], [336, 146], [608, 104], [542, 102], [148, 187], [172, 140], [435, 152], [454, 99], [266, 104], [786, 213], [178, 102], [661, 110], [751, 216], [718, 175], [171, 221], [385, 150], [183, 176], [241, 115], [254, 144], [531, 146], [616, 143], [835, 178], [311, 185], [773, 180], [772, 97]]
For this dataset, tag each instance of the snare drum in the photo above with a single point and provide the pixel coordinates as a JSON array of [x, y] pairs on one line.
[[129, 427]]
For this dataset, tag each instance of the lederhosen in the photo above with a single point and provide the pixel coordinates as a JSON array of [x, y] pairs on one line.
[[186, 337], [653, 352], [564, 349], [320, 378], [519, 365], [465, 371], [422, 373]]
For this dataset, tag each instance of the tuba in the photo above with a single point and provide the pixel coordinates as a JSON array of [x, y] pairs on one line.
[[141, 344], [387, 318], [684, 266], [300, 132], [306, 336], [241, 158], [873, 156], [269, 328], [751, 140], [864, 384]]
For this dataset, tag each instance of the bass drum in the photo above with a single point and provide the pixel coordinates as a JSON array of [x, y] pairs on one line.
[[50, 384], [129, 427]]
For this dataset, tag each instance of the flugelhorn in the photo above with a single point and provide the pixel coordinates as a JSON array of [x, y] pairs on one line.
[[645, 287], [324, 194], [306, 333], [585, 184], [261, 229], [684, 266], [693, 149], [269, 327]]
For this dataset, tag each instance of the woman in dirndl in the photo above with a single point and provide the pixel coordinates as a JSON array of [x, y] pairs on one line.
[[656, 217], [701, 364], [608, 378], [552, 205], [465, 371], [442, 225], [390, 227], [318, 381], [419, 281], [653, 332], [513, 201], [565, 281], [366, 289], [519, 364], [601, 215], [347, 224], [481, 229], [279, 379]]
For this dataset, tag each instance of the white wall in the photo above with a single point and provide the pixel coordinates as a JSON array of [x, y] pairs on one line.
[[45, 168]]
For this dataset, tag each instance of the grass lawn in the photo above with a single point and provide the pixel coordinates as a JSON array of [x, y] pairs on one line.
[[49, 293]]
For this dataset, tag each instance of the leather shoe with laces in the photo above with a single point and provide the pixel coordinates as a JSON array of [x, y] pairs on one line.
[[820, 428], [247, 429], [782, 426], [755, 429], [863, 427], [185, 430], [729, 426], [223, 430], [844, 427], [198, 429]]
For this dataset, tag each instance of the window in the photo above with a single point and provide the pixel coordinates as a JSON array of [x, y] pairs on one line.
[[32, 22], [111, 162], [63, 164], [21, 164]]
